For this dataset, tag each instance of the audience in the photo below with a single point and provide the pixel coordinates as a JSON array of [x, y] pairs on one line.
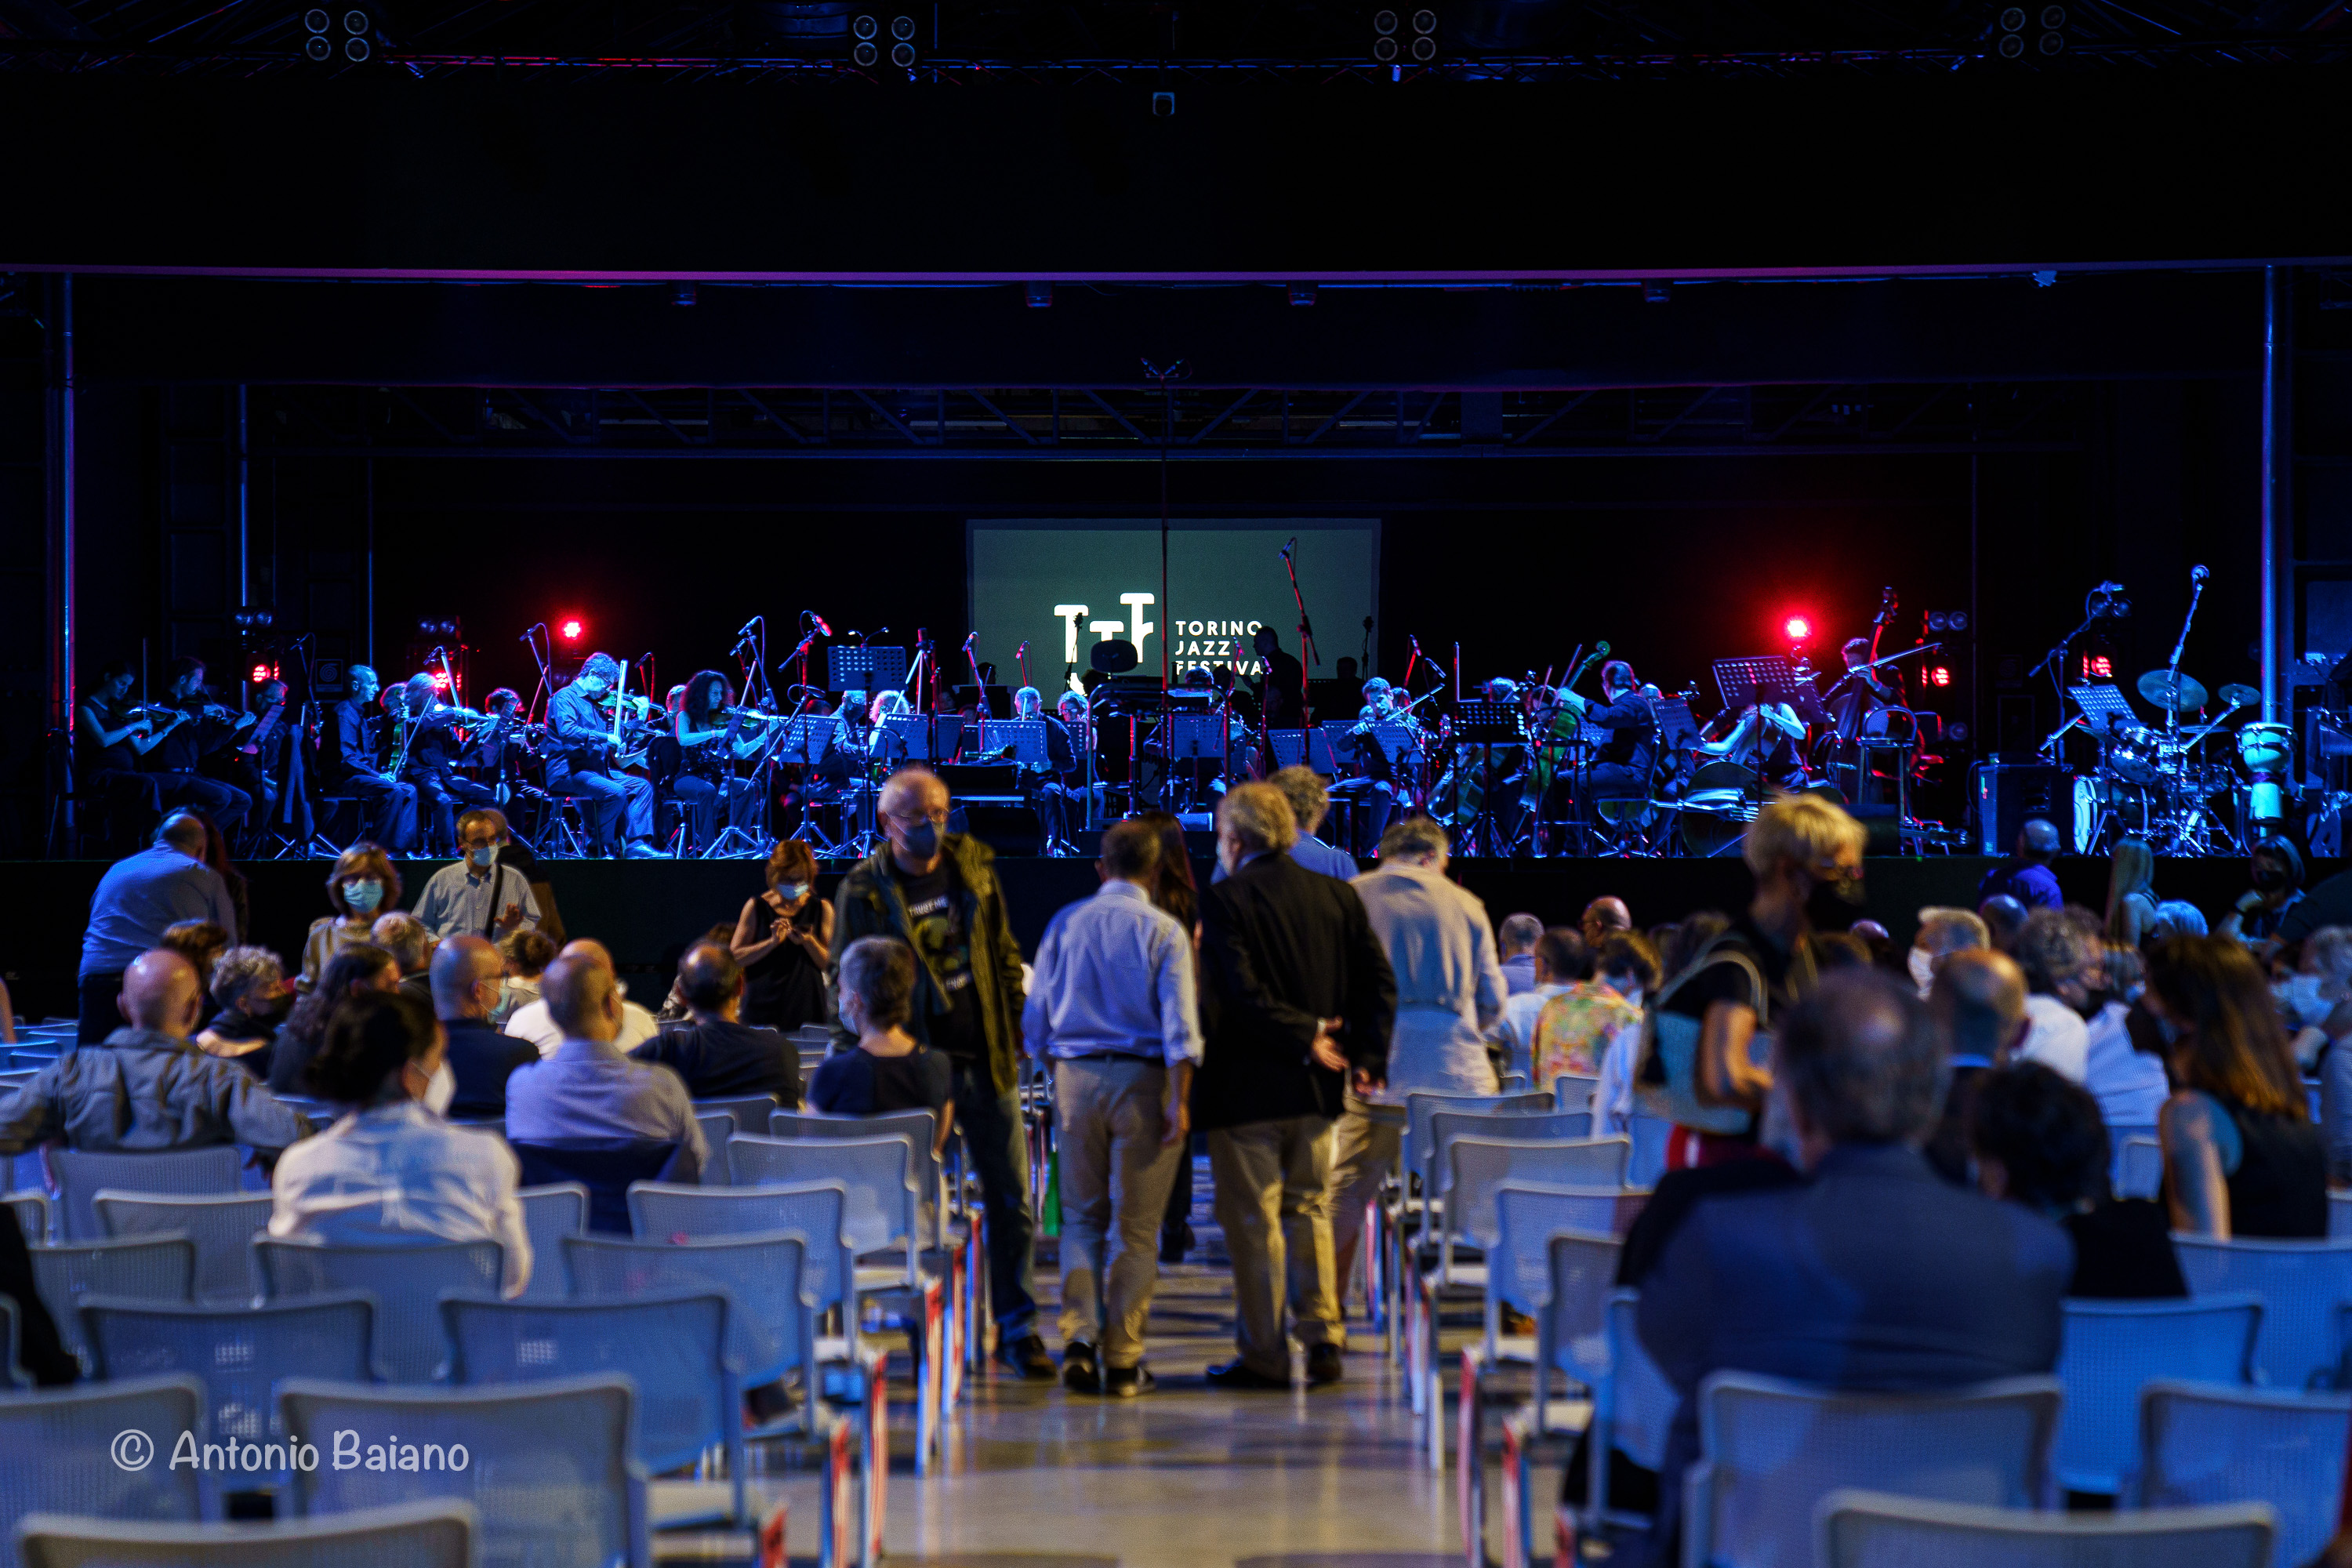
[[1873, 1274], [357, 967], [2312, 1000], [1979, 1006], [2127, 1082], [465, 984], [362, 884], [1298, 1005], [1514, 941], [478, 893], [139, 897], [533, 1020], [2038, 1141], [1628, 965], [1309, 800], [524, 956], [1560, 962], [783, 940], [587, 1089], [2131, 899], [1942, 933], [715, 1052], [1115, 1013], [1175, 893], [1602, 916], [889, 1069], [249, 988], [40, 1354], [1449, 992], [390, 1171], [2177, 917], [2275, 870], [150, 1089], [2003, 918], [201, 943], [2241, 1154], [2026, 876], [403, 936], [1573, 1033], [2057, 960]]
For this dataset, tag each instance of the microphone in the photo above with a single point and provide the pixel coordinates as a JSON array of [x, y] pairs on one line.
[[820, 622], [2111, 587], [2198, 575], [970, 638], [526, 637], [1289, 547], [746, 630]]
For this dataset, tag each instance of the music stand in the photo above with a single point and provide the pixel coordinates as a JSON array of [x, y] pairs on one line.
[[1743, 682], [2104, 706], [867, 670], [914, 734], [1314, 746], [1024, 737], [1677, 726]]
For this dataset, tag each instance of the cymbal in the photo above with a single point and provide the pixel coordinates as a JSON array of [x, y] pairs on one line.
[[2240, 696], [2188, 698]]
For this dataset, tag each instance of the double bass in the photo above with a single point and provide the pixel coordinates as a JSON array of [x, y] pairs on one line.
[[1556, 732]]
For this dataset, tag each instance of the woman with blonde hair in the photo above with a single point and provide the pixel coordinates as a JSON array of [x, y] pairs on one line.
[[2241, 1154], [361, 885], [783, 940], [2131, 898]]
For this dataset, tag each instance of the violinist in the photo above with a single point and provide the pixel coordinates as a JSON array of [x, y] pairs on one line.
[[348, 759], [1622, 770], [713, 736], [268, 751], [495, 746], [431, 745], [177, 758], [582, 758], [110, 735]]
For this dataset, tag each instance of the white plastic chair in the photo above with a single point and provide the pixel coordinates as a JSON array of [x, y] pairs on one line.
[[1399, 1244], [2203, 1443], [158, 1269], [2113, 1349], [1477, 1166], [718, 1130], [222, 1225], [546, 1466], [749, 1111], [879, 1174], [2139, 1168], [773, 1331], [412, 1535], [32, 1212], [406, 1284], [1574, 1090], [1772, 1449], [1875, 1530], [549, 1215], [919, 1127], [2339, 1216], [82, 1174], [1650, 1135], [2300, 1284], [58, 1453]]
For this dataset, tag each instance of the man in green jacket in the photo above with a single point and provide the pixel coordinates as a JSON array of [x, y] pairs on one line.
[[937, 892]]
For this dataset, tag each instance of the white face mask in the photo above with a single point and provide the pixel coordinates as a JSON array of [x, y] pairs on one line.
[[2300, 1000], [442, 1090], [1922, 969], [788, 891]]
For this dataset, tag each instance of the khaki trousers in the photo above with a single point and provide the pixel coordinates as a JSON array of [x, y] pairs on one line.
[[1367, 1140], [1273, 1200], [1116, 1173]]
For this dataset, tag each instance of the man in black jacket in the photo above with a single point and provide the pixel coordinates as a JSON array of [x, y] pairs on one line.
[[719, 1055], [348, 764], [1296, 995], [466, 973]]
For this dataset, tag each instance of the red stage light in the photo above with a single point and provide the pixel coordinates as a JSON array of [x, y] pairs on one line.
[[1798, 628], [572, 630], [262, 672], [1939, 676], [440, 680], [2098, 667]]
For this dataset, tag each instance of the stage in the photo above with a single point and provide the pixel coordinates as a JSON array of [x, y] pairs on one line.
[[647, 910]]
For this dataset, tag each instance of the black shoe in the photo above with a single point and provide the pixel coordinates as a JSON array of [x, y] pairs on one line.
[[1026, 1356], [1323, 1365], [1078, 1372], [1239, 1374], [1127, 1382]]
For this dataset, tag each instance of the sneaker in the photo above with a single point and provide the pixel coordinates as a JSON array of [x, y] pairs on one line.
[[1127, 1382], [1239, 1374], [1078, 1372], [642, 850], [1026, 1356], [1324, 1364]]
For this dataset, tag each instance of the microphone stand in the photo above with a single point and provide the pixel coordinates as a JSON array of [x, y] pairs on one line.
[[2172, 669], [1307, 656]]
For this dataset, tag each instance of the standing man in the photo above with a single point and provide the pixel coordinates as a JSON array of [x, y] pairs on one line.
[[1115, 1014], [1298, 999], [136, 901], [351, 767], [478, 893], [1602, 915], [1309, 801], [580, 762], [937, 892]]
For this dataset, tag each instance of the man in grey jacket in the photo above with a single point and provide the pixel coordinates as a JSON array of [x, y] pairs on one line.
[[151, 1090]]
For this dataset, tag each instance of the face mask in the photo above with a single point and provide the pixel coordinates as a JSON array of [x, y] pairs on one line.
[[441, 1090], [2268, 878], [921, 840], [485, 857], [1831, 905], [364, 896], [1922, 969], [788, 891], [2300, 1000]]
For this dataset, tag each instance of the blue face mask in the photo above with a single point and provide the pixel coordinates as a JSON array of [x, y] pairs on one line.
[[363, 895], [788, 891], [485, 855]]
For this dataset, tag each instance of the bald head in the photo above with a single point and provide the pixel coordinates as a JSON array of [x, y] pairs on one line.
[[1603, 915], [2038, 840], [161, 992], [2003, 918], [1979, 1000], [184, 833], [711, 982], [592, 951], [466, 973], [581, 997]]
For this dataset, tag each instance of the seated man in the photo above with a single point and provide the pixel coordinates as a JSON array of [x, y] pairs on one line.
[[532, 1021], [1560, 962], [468, 974], [402, 935], [588, 1088], [152, 1089], [716, 1052], [1873, 1274], [1515, 939]]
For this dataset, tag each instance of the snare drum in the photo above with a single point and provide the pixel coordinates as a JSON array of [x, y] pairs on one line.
[[2266, 748]]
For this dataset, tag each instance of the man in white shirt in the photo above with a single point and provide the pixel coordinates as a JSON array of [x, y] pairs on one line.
[[476, 896], [1560, 960], [534, 1022]]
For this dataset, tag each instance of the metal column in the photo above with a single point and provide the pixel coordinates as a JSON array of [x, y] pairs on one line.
[[62, 614], [2271, 559]]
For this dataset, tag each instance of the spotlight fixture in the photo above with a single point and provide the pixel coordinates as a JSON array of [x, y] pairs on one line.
[[902, 53], [1385, 23], [2053, 43], [1424, 21], [438, 626], [2053, 17], [570, 628], [357, 25], [262, 672], [1384, 49], [1424, 49], [1038, 295], [2012, 20], [1424, 41], [2011, 45], [681, 293], [866, 29], [1947, 620], [1798, 628], [318, 49], [1303, 293], [1941, 675], [1384, 44], [252, 620], [316, 19]]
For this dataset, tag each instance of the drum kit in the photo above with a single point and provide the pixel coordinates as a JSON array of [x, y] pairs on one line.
[[2173, 786]]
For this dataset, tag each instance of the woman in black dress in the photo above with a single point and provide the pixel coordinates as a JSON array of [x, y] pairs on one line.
[[783, 940]]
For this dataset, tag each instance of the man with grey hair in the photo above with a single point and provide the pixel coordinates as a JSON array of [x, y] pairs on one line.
[[1310, 802], [1942, 933], [1874, 1274], [2057, 959], [588, 1088], [1514, 941]]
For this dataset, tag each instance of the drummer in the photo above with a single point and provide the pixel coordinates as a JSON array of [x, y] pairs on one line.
[[1621, 772]]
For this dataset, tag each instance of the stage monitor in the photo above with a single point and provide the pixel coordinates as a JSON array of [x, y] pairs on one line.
[[1063, 586]]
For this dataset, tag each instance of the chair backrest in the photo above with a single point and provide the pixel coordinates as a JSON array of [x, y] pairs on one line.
[[547, 1466], [236, 1351], [82, 1174], [1633, 1403], [1518, 1267], [222, 1225], [1512, 1126], [672, 1348], [878, 1173], [60, 1452], [158, 1269], [1479, 1166], [921, 1127], [2339, 1215], [1574, 1091], [405, 1281], [749, 1111], [2202, 1443], [549, 1215], [413, 1535], [32, 1212], [1420, 1105], [815, 1210], [1772, 1450], [773, 1326], [2139, 1168], [1877, 1530], [718, 1130], [1650, 1135], [605, 1166], [2300, 1283], [2113, 1349]]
